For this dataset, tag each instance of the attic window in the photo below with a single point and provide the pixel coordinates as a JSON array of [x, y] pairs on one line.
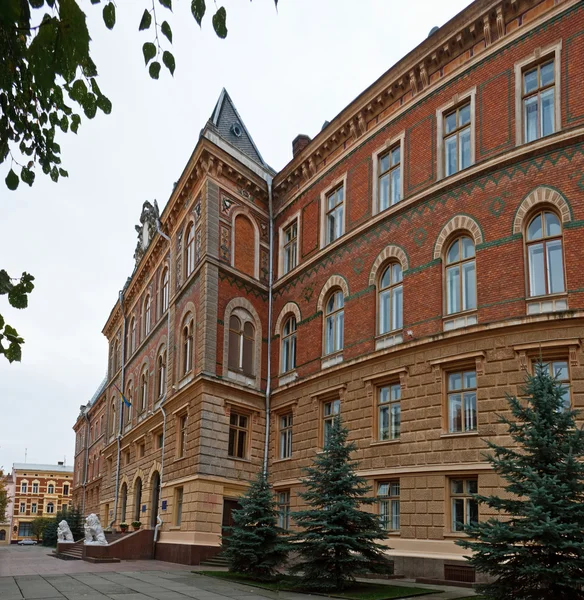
[[236, 130]]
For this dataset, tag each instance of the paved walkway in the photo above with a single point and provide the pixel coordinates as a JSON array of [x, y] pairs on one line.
[[31, 574]]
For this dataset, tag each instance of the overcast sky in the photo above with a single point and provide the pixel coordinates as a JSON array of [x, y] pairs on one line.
[[286, 71]]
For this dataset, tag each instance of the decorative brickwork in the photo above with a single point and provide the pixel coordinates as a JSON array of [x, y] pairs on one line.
[[288, 309], [334, 281], [458, 223], [541, 195], [384, 256]]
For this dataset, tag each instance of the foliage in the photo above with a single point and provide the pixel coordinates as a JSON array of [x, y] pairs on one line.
[[536, 550], [76, 522], [74, 519], [4, 499], [39, 525], [48, 78], [10, 341], [136, 524], [337, 540], [256, 545]]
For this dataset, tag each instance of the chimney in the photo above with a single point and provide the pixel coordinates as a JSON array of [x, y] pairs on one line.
[[60, 463], [299, 143]]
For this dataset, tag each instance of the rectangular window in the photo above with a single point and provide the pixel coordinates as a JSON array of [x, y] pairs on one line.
[[388, 502], [462, 401], [66, 489], [284, 509], [178, 506], [538, 100], [330, 411], [560, 371], [22, 508], [389, 412], [389, 184], [238, 425], [159, 440], [35, 488], [24, 529], [457, 139], [141, 450], [286, 436], [23, 487], [33, 508], [464, 508], [334, 220], [290, 247], [128, 457], [182, 438]]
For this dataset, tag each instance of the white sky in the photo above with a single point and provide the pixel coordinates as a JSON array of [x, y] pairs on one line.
[[286, 71]]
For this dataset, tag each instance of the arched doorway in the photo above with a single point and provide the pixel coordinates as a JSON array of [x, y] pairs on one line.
[[137, 498], [124, 503], [155, 498]]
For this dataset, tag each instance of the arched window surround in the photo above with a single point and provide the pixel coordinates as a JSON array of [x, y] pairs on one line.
[[187, 340], [539, 197], [147, 316], [243, 211], [333, 331], [239, 306], [144, 388], [164, 290], [189, 251], [161, 371], [289, 310], [389, 294]]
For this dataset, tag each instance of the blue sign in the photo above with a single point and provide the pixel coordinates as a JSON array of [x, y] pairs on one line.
[[164, 502], [143, 508]]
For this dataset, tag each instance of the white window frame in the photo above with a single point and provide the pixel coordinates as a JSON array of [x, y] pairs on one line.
[[538, 56], [282, 244], [457, 101], [390, 143], [340, 181]]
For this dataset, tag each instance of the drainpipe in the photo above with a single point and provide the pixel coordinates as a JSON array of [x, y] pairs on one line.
[[86, 461], [119, 437], [163, 399], [270, 283]]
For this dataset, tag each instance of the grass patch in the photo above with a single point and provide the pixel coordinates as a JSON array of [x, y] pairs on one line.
[[360, 591]]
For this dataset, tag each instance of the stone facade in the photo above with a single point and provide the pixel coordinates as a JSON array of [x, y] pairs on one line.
[[202, 331]]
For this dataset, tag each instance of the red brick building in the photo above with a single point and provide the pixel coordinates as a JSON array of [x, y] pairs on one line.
[[404, 270]]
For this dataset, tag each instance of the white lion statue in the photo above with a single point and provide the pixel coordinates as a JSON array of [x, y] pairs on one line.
[[94, 534], [64, 532]]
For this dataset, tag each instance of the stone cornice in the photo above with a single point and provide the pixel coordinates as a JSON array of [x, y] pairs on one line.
[[413, 76]]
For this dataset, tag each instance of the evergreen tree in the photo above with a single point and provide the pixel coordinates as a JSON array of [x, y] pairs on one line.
[[76, 522], [536, 550], [256, 545], [337, 540]]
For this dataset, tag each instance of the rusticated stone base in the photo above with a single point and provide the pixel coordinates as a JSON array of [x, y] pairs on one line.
[[184, 554]]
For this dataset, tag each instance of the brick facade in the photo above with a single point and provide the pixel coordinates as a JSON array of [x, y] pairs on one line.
[[202, 432]]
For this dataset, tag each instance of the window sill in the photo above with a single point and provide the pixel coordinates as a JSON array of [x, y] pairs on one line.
[[244, 460], [385, 442], [395, 533], [288, 377], [281, 460], [174, 528], [455, 534], [186, 379], [460, 434], [459, 320], [179, 458], [538, 305], [331, 361], [387, 340], [241, 378]]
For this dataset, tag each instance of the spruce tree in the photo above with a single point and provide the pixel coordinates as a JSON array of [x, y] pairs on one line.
[[535, 550], [337, 540], [256, 545]]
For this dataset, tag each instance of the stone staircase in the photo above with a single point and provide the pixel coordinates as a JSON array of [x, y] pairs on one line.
[[72, 552], [215, 561]]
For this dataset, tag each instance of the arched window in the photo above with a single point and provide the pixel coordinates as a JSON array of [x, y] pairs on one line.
[[132, 335], [137, 498], [124, 503], [289, 345], [128, 409], [461, 285], [161, 373], [241, 345], [116, 356], [545, 255], [113, 417], [147, 315], [391, 299], [51, 488], [164, 296], [187, 345], [334, 323], [144, 390], [190, 250], [50, 507]]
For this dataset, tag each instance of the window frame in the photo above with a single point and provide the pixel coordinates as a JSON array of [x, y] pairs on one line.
[[390, 145], [340, 182], [288, 340], [335, 314], [294, 220], [459, 100], [285, 435], [189, 249], [178, 506], [465, 496], [239, 430], [164, 290], [161, 372], [144, 390], [283, 505], [187, 345], [325, 419], [460, 369], [147, 316], [549, 358], [446, 266], [379, 406], [241, 337], [544, 240], [392, 499], [538, 57], [182, 423], [391, 289]]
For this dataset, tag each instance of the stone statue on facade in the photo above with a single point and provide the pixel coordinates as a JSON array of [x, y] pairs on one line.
[[146, 229], [64, 532], [94, 534]]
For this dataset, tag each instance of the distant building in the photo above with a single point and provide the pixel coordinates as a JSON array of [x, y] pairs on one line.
[[404, 270], [40, 491], [6, 519]]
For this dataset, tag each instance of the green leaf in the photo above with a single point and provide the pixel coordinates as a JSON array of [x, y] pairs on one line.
[[36, 3], [146, 20], [64, 123], [78, 91], [75, 122], [220, 23], [63, 173], [149, 51], [166, 3], [12, 180], [154, 70], [166, 30], [168, 60], [109, 15], [198, 9], [104, 104], [54, 174], [27, 175]]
